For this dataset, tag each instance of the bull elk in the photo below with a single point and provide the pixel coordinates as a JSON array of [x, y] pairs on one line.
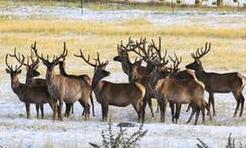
[[133, 70], [30, 92], [108, 93], [177, 91], [85, 78], [64, 89], [218, 82]]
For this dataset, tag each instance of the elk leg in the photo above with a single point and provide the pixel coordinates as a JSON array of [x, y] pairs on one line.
[[66, 110], [209, 113], [138, 109], [69, 106], [105, 112], [60, 109], [171, 105], [84, 107], [178, 108], [151, 107], [83, 113], [242, 104], [203, 115], [54, 106], [191, 115], [144, 106], [87, 111], [27, 110], [158, 108], [211, 99], [238, 103], [163, 106], [188, 108], [92, 105], [50, 101], [42, 110], [197, 115], [37, 110], [70, 109]]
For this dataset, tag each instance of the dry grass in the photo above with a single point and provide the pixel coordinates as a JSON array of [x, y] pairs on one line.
[[138, 27], [228, 53]]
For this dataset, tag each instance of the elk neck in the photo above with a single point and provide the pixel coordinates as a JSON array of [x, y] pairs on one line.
[[62, 69], [28, 80], [200, 73], [126, 66], [16, 85], [49, 76], [96, 82]]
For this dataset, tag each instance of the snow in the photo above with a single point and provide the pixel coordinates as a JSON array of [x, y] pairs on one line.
[[17, 131], [214, 19]]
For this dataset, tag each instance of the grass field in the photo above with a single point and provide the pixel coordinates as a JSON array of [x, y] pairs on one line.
[[228, 44]]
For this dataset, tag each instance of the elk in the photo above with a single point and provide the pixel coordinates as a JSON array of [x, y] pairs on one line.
[[64, 89], [85, 78], [150, 56], [123, 58], [218, 82], [29, 92], [116, 94], [133, 70], [177, 91], [176, 73]]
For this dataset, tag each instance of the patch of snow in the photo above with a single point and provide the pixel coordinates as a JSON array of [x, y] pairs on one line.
[[214, 19]]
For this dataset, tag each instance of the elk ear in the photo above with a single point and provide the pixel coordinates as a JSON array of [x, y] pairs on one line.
[[7, 70]]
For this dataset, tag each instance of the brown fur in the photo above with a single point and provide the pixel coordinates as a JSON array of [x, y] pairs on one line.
[[85, 78], [218, 82]]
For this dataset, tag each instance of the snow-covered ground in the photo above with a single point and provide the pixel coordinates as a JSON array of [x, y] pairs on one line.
[[213, 19], [17, 131]]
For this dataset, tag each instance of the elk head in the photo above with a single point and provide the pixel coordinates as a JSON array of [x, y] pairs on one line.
[[31, 64], [10, 70], [122, 50], [197, 64], [50, 65], [99, 68]]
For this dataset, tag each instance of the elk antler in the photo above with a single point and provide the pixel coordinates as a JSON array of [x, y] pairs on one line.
[[6, 62], [55, 58], [98, 62], [86, 60], [20, 58], [11, 67], [127, 47], [176, 62], [200, 52], [161, 59]]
